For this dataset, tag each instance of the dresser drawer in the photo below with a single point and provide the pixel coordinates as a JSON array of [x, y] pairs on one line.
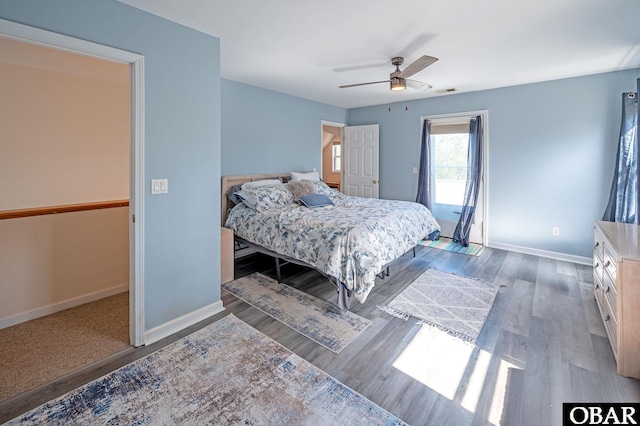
[[610, 294], [611, 324], [598, 249], [598, 244], [598, 271], [610, 265], [608, 320]]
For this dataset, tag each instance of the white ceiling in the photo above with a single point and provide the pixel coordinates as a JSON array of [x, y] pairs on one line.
[[308, 48]]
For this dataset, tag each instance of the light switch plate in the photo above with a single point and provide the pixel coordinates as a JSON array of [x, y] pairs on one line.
[[159, 186]]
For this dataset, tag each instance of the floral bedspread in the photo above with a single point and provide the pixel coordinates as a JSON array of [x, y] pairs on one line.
[[351, 241]]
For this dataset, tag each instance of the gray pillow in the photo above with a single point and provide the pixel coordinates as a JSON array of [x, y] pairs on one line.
[[231, 194], [315, 200], [300, 188]]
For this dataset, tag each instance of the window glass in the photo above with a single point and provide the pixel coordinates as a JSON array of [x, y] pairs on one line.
[[449, 167], [336, 155]]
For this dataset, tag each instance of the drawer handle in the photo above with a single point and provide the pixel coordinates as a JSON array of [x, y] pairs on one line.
[[597, 286], [606, 290], [607, 318], [597, 265], [597, 245], [607, 263]]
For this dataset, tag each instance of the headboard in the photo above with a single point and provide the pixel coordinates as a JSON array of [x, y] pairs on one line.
[[229, 181]]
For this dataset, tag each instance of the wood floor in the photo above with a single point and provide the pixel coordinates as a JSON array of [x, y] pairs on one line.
[[543, 344]]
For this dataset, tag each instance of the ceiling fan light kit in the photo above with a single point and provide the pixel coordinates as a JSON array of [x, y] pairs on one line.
[[398, 84], [398, 79]]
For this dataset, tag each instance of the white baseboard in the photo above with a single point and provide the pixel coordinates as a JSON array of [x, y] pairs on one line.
[[61, 306], [542, 253], [173, 326]]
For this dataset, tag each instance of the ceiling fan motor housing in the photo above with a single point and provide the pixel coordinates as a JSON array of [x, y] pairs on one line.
[[397, 61]]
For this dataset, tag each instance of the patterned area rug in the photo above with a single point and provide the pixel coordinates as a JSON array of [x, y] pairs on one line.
[[447, 244], [446, 301], [320, 321], [227, 373]]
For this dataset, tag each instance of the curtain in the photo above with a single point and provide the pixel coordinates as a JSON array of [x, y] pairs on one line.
[[472, 187], [624, 202], [424, 174]]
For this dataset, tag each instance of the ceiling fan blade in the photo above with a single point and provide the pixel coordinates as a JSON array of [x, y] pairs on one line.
[[418, 85], [417, 66], [363, 84], [361, 67]]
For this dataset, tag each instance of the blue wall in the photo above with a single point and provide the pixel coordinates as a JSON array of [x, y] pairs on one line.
[[551, 145], [182, 143], [270, 132], [551, 155]]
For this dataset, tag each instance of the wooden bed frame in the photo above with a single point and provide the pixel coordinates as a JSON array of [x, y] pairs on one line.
[[229, 181]]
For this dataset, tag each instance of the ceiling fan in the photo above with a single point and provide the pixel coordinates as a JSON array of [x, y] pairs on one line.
[[399, 80]]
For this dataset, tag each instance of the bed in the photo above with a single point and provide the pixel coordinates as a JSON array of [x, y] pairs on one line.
[[350, 240]]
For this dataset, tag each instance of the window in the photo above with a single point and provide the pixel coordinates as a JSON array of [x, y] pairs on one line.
[[450, 146], [336, 157]]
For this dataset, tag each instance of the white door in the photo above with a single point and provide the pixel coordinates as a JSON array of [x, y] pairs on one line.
[[361, 161]]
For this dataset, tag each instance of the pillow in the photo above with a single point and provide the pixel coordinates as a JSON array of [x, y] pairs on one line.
[[316, 200], [259, 183], [231, 194], [323, 188], [300, 188], [314, 176], [266, 197]]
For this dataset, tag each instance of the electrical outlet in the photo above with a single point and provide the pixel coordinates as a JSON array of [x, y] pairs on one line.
[[555, 231], [415, 170]]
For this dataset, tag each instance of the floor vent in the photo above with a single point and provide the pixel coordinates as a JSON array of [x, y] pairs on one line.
[[451, 90]]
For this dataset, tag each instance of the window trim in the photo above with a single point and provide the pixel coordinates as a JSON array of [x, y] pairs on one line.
[[458, 117]]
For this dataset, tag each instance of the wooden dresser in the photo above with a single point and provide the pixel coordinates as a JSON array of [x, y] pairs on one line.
[[616, 279]]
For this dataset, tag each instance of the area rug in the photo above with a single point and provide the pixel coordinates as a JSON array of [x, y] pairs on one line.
[[320, 321], [226, 373], [454, 304], [447, 244]]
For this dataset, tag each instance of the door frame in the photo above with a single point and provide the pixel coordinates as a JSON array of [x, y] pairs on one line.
[[485, 159], [331, 124], [27, 34]]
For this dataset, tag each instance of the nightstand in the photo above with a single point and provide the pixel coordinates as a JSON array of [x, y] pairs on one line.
[[226, 255]]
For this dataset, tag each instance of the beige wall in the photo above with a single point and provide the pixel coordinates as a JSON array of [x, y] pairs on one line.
[[327, 174], [64, 139], [47, 261]]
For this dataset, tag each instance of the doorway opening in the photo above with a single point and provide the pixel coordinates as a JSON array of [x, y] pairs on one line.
[[62, 198], [449, 146], [331, 154]]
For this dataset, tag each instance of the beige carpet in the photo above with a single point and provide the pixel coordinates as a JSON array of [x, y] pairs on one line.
[[38, 351]]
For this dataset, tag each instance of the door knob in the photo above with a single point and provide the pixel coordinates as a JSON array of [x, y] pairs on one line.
[[374, 181]]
